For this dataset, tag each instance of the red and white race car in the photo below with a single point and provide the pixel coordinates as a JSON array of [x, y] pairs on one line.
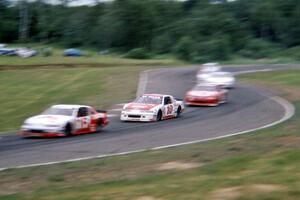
[[152, 107], [206, 95], [65, 120]]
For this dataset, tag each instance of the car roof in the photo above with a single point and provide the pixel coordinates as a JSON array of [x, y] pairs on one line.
[[205, 84], [69, 106], [221, 73], [156, 95], [211, 64]]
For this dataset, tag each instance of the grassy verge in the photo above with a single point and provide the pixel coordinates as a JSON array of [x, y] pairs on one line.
[[94, 59], [238, 60], [262, 165]]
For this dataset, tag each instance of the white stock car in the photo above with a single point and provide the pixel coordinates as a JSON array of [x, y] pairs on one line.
[[209, 68], [223, 79], [65, 120], [152, 107]]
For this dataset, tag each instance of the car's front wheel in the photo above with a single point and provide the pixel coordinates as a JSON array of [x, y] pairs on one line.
[[99, 125], [159, 116], [68, 130], [178, 112]]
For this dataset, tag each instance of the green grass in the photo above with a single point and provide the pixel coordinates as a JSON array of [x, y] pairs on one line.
[[93, 59], [28, 92], [264, 165], [290, 78], [238, 60]]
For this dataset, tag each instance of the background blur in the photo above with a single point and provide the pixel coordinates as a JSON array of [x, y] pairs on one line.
[[193, 30]]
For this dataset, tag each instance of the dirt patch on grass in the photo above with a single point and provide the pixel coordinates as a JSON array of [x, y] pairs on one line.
[[226, 193], [13, 187], [267, 187], [147, 198], [177, 165], [231, 193], [289, 141]]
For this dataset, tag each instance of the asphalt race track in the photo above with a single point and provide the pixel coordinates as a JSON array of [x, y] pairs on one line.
[[248, 108]]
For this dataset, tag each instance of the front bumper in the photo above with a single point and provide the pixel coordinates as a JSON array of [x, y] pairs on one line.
[[137, 116], [202, 101], [41, 134], [41, 131]]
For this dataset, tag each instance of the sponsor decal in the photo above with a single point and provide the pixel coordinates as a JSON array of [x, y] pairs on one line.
[[141, 106]]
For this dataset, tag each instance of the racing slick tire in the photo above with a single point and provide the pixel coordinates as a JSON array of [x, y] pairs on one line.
[[178, 112], [68, 130], [99, 126], [159, 115]]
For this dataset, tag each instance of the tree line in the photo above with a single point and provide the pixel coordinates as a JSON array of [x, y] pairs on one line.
[[195, 30]]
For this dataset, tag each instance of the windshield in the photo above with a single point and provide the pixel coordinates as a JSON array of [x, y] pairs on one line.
[[204, 88], [58, 111], [223, 75], [149, 100]]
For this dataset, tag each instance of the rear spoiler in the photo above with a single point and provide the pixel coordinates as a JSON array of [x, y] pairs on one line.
[[101, 111]]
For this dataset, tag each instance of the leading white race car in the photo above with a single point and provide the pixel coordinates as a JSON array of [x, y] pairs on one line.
[[209, 68], [223, 79], [152, 107], [65, 120]]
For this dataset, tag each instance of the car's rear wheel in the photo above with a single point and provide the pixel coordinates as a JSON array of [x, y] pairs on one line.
[[178, 112], [159, 116], [68, 130], [99, 125], [224, 99]]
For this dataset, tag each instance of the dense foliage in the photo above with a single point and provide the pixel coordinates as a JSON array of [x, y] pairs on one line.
[[195, 30]]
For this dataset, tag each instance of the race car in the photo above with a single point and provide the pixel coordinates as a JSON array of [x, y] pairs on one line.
[[65, 120], [209, 68], [152, 107], [223, 79], [206, 95]]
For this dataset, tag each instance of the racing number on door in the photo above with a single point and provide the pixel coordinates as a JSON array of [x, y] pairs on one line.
[[169, 109], [85, 123], [82, 122]]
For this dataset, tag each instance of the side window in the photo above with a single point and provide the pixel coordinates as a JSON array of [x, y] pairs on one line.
[[92, 111], [82, 112], [167, 101]]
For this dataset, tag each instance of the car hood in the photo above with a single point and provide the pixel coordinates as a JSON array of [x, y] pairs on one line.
[[48, 119], [202, 93], [219, 80], [140, 106]]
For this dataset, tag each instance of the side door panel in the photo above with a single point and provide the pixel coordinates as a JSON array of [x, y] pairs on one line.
[[168, 107], [83, 120]]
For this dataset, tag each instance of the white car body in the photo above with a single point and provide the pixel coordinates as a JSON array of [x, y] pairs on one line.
[[224, 79], [49, 123], [209, 68], [26, 53], [165, 106]]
